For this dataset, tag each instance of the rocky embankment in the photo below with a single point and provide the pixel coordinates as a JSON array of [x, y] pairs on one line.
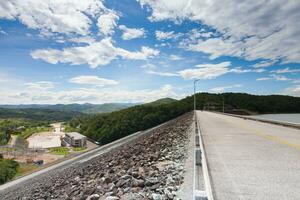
[[150, 167]]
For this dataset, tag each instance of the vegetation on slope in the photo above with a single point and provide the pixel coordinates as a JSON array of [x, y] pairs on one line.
[[38, 114], [8, 169], [83, 108], [162, 101], [105, 128], [21, 127]]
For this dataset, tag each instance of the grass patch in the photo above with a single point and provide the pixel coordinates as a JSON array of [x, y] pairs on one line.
[[7, 149], [25, 169], [78, 148], [68, 128], [8, 169], [59, 151]]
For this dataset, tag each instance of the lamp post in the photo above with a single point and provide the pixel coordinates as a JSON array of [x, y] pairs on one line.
[[195, 81], [223, 103]]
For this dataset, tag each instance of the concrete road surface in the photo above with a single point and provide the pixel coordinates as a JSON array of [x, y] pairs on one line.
[[250, 159]]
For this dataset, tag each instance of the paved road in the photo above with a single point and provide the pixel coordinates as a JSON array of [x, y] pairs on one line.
[[73, 161], [250, 159]]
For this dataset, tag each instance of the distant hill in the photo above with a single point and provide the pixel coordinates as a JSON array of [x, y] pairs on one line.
[[38, 114], [162, 101], [84, 108]]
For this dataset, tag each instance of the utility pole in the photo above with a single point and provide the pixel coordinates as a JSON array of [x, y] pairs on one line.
[[223, 103], [195, 81]]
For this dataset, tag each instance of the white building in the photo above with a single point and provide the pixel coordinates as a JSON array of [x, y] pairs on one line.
[[74, 139]]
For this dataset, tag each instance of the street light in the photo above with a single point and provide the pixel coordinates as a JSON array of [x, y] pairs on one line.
[[195, 81], [223, 103]]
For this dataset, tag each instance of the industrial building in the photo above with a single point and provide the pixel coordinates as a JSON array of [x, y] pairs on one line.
[[74, 139]]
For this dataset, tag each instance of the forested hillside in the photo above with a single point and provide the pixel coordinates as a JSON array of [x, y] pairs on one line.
[[38, 114], [108, 127], [84, 108]]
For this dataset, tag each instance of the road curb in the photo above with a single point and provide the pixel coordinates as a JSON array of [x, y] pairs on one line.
[[200, 158]]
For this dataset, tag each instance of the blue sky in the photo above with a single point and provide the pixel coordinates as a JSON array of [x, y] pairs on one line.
[[138, 51]]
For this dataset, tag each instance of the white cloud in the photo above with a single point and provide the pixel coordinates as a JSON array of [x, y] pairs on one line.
[[279, 78], [294, 91], [274, 77], [265, 63], [149, 66], [285, 71], [84, 40], [144, 54], [131, 33], [175, 57], [160, 35], [248, 29], [95, 54], [223, 88], [215, 47], [240, 70], [206, 71], [107, 22], [57, 16], [195, 34], [2, 32], [169, 74], [41, 85], [92, 80], [83, 95], [264, 79]]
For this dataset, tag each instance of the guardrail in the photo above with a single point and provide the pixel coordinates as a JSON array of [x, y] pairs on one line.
[[200, 159], [287, 124]]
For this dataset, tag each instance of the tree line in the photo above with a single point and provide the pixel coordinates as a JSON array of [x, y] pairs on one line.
[[105, 128]]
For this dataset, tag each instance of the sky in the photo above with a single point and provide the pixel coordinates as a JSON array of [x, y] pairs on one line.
[[96, 51]]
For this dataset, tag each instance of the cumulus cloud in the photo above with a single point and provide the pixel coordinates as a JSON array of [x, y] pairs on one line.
[[286, 70], [64, 16], [92, 80], [223, 88], [274, 77], [175, 57], [83, 40], [206, 71], [40, 85], [161, 35], [240, 70], [94, 54], [251, 30], [170, 74], [107, 23], [265, 63], [131, 33], [263, 78], [2, 32], [294, 90], [83, 95]]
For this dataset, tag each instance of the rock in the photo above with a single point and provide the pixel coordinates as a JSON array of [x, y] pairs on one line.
[[112, 198], [154, 187], [93, 197], [156, 196], [135, 189], [149, 167], [138, 182], [151, 181], [130, 196]]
